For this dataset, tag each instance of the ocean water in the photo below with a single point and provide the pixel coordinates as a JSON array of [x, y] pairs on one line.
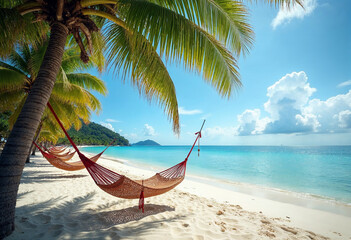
[[323, 171]]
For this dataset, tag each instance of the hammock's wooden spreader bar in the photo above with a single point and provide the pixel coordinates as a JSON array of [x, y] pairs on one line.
[[123, 187]]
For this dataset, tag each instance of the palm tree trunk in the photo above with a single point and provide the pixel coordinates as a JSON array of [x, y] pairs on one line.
[[32, 147], [34, 150], [17, 146]]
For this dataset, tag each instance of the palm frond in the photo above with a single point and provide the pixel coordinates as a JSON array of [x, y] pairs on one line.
[[50, 131], [36, 58], [225, 19], [87, 81], [17, 29], [10, 4], [72, 93], [11, 79], [71, 61], [61, 112], [94, 103], [183, 41], [99, 44], [137, 58], [16, 111], [277, 3], [10, 99], [17, 60]]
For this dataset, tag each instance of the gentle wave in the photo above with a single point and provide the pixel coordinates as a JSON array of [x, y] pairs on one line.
[[308, 172]]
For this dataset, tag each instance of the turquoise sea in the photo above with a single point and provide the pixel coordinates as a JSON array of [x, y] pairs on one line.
[[323, 171]]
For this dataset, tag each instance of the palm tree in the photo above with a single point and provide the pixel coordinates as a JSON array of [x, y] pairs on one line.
[[70, 97], [204, 36], [4, 126]]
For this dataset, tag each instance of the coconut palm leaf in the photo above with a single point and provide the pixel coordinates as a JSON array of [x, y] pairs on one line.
[[11, 79], [17, 29], [10, 99], [232, 16], [276, 3], [70, 95], [180, 39], [141, 63], [87, 81], [16, 111]]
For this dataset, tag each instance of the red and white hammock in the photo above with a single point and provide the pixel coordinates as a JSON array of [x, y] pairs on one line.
[[123, 187]]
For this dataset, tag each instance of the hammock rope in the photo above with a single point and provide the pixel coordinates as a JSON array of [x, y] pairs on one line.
[[61, 162], [123, 187], [57, 150]]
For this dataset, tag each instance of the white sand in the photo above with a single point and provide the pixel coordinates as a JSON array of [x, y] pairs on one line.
[[56, 204]]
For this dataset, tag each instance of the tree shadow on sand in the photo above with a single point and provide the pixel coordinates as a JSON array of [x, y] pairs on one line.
[[54, 177], [47, 176], [75, 219], [116, 217]]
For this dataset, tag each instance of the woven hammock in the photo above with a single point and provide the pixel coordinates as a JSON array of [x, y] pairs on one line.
[[57, 150], [123, 187], [62, 163], [65, 156]]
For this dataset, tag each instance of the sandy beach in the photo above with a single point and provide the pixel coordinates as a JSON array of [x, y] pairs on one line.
[[56, 204]]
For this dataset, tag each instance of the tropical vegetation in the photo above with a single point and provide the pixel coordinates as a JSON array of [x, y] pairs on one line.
[[71, 96], [94, 134], [4, 126], [136, 36], [147, 142]]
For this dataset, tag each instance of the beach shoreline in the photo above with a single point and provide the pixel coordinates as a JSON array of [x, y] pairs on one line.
[[51, 205], [313, 201]]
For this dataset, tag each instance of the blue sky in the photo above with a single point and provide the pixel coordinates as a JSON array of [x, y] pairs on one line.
[[296, 87]]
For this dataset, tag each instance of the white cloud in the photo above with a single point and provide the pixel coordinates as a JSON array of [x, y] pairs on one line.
[[248, 121], [308, 122], [132, 137], [344, 84], [107, 125], [219, 131], [291, 110], [285, 14], [291, 91], [332, 113], [344, 118], [112, 120], [149, 130], [286, 99], [183, 111]]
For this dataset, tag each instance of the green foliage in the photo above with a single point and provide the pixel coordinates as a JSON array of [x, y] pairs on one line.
[[71, 96], [147, 142], [94, 134], [4, 126], [205, 36]]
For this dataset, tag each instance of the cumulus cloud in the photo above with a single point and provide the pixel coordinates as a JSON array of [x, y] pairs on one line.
[[291, 110], [332, 114], [132, 137], [291, 91], [149, 130], [285, 14], [112, 120], [108, 125], [344, 84], [286, 99], [218, 131], [344, 118], [248, 122], [183, 111]]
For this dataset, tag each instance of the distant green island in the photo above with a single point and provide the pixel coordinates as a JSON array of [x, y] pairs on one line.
[[94, 134], [146, 143]]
